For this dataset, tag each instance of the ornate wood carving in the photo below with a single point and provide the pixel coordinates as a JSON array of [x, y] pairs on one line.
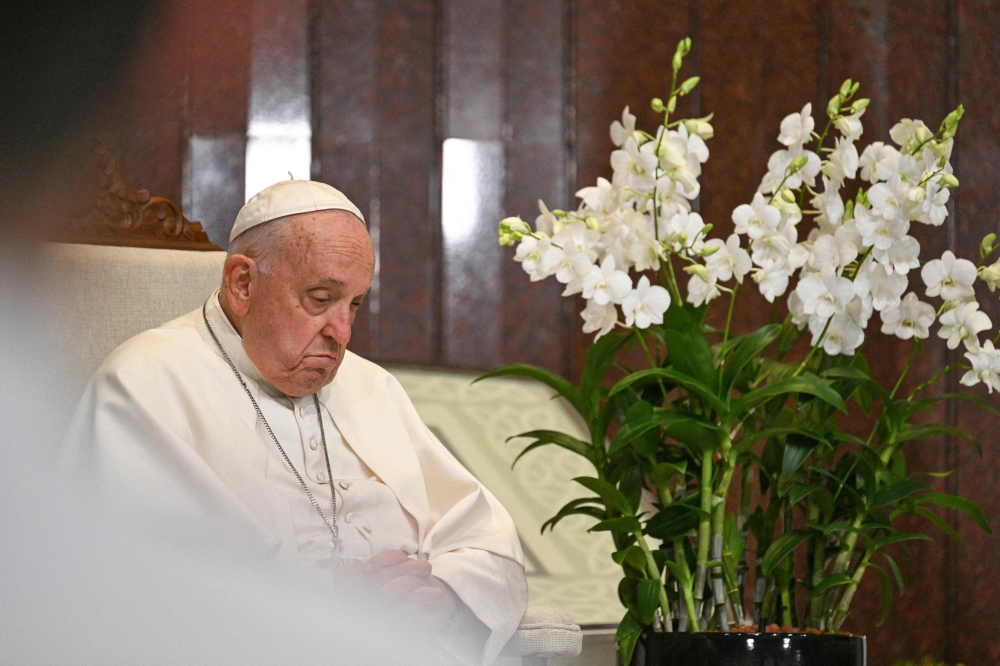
[[116, 214]]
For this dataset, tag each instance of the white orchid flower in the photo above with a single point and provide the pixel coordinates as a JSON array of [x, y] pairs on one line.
[[756, 218], [877, 230], [684, 231], [634, 167], [621, 131], [602, 198], [531, 253], [882, 287], [645, 305], [777, 167], [843, 161], [829, 254], [830, 206], [644, 252], [605, 284], [908, 134], [844, 333], [577, 238], [949, 277], [825, 295], [963, 324], [600, 318], [879, 162], [850, 126], [933, 209], [772, 279], [901, 256], [774, 245], [730, 260], [990, 275], [799, 316], [546, 222], [796, 128], [681, 156], [700, 291], [985, 367], [889, 199], [912, 318]]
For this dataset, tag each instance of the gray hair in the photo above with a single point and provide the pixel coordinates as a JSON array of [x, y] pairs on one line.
[[261, 243]]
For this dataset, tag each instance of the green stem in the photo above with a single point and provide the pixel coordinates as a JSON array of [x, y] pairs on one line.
[[704, 529], [909, 364], [654, 573], [812, 350], [933, 380], [672, 282], [844, 606]]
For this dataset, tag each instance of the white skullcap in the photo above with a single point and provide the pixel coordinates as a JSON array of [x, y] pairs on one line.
[[289, 197]]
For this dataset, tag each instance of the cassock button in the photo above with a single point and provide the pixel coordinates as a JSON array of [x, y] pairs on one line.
[[345, 485], [302, 410], [367, 528], [351, 516], [313, 443], [321, 477]]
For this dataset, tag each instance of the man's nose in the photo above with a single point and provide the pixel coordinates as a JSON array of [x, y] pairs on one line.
[[338, 325]]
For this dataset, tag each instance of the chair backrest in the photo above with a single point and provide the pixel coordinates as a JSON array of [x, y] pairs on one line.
[[109, 294]]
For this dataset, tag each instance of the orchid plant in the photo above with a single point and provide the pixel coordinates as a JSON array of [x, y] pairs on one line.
[[723, 445]]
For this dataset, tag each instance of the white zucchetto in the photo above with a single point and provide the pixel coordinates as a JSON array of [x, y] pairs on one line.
[[290, 197]]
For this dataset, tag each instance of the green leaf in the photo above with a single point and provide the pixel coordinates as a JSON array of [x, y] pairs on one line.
[[636, 426], [895, 571], [687, 347], [632, 556], [575, 508], [807, 383], [696, 432], [798, 492], [886, 593], [749, 346], [627, 636], [781, 548], [613, 498], [649, 599], [797, 449], [891, 494], [909, 432], [545, 437], [571, 393], [663, 472], [681, 574], [676, 520], [940, 523], [620, 524], [828, 582], [790, 334], [692, 385], [599, 357], [959, 504], [900, 538]]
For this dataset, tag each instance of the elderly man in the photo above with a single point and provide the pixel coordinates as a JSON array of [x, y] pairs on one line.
[[251, 412]]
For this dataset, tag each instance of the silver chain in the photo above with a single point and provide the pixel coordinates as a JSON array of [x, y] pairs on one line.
[[337, 545]]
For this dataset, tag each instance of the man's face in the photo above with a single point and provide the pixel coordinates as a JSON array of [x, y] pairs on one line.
[[300, 315]]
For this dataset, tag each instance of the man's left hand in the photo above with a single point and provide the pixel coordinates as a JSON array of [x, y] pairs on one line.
[[410, 581]]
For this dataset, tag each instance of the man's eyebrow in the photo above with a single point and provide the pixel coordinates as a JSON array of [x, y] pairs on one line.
[[333, 281]]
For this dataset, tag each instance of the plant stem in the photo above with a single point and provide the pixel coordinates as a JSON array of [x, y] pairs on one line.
[[654, 573], [704, 529], [818, 566], [812, 350], [746, 495], [909, 364], [840, 614], [672, 282], [933, 380], [718, 525]]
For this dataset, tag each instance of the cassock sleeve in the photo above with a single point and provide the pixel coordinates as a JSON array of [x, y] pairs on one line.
[[469, 537]]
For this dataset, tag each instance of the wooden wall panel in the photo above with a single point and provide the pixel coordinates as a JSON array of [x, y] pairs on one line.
[[975, 27], [538, 166]]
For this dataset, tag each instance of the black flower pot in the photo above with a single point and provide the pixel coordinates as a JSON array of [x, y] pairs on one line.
[[740, 649]]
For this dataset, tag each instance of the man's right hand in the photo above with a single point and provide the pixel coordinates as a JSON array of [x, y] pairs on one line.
[[394, 573]]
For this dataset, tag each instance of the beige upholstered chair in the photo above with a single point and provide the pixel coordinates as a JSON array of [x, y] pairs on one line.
[[109, 294]]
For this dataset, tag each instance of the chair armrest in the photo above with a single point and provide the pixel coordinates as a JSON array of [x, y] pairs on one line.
[[545, 632]]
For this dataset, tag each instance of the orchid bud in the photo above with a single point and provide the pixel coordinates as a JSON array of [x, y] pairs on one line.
[[697, 269], [688, 85], [849, 211], [559, 212], [845, 87], [860, 104], [592, 223], [862, 197], [833, 106], [916, 194], [657, 105], [788, 195], [990, 275], [705, 229], [986, 247], [948, 180], [672, 104], [797, 164], [512, 229], [854, 89], [949, 126], [922, 134], [709, 250], [700, 127]]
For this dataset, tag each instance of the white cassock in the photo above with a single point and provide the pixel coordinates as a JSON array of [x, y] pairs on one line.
[[166, 417]]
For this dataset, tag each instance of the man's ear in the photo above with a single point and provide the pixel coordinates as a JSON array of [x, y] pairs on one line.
[[237, 274]]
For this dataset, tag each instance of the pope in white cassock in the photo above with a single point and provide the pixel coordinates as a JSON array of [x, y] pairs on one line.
[[252, 412]]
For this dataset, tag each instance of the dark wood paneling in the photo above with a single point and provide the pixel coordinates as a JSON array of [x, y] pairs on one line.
[[536, 168], [976, 29]]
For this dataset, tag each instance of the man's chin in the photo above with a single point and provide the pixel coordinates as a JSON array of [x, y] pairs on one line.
[[309, 380]]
